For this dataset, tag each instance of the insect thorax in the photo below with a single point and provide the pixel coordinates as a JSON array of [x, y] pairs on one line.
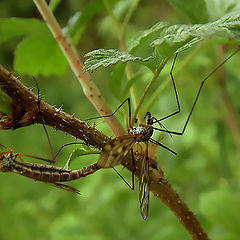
[[145, 132], [6, 162]]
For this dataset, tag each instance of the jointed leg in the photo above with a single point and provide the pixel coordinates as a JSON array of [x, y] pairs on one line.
[[196, 99]]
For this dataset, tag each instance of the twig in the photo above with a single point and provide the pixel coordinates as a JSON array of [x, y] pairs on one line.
[[27, 104], [90, 89]]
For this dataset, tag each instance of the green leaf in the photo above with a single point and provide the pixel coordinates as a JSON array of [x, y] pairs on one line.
[[180, 37], [218, 8], [5, 103], [84, 150], [144, 38], [77, 24], [17, 27], [53, 4], [105, 58], [116, 80], [220, 208], [40, 55], [38, 52], [130, 83], [191, 9]]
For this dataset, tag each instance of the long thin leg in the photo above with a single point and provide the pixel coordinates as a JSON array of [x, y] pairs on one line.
[[110, 115], [130, 125], [31, 156], [131, 186], [65, 145], [196, 99], [175, 92], [44, 127], [22, 154], [163, 146]]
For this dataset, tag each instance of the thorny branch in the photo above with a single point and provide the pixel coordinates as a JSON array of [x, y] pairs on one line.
[[25, 111]]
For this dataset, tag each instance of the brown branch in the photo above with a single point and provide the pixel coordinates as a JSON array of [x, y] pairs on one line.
[[25, 103]]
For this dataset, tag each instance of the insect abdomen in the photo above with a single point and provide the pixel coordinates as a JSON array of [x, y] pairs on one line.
[[51, 174]]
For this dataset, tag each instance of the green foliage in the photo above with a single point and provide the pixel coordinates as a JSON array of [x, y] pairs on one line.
[[105, 58], [38, 42], [171, 40], [218, 8], [181, 37], [191, 10], [219, 207], [144, 38], [205, 172], [78, 23], [5, 103], [53, 4], [40, 47], [78, 152]]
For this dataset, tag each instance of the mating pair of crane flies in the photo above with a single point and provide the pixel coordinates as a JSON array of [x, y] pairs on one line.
[[112, 153]]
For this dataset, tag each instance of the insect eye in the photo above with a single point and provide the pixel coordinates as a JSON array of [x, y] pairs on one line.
[[150, 121]]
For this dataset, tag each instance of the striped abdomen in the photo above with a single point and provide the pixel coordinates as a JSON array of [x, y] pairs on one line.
[[48, 173]]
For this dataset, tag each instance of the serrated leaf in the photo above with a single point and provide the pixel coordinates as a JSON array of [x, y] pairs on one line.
[[177, 37], [40, 55], [104, 58], [84, 150], [145, 37]]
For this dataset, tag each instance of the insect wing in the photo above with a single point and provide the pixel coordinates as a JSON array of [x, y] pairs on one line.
[[65, 187], [113, 153], [144, 190]]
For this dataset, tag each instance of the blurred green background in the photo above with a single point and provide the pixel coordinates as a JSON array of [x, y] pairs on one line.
[[205, 172]]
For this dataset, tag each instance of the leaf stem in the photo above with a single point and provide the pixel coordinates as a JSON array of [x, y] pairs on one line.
[[156, 75]]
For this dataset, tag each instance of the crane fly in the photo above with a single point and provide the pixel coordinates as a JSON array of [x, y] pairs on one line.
[[114, 151], [42, 172]]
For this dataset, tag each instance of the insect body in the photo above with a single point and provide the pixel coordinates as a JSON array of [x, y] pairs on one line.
[[44, 173], [114, 152]]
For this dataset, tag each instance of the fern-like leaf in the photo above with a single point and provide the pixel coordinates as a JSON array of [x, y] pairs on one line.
[[180, 37], [104, 58]]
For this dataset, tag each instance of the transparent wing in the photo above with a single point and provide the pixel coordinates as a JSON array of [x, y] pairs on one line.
[[144, 188], [113, 153]]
